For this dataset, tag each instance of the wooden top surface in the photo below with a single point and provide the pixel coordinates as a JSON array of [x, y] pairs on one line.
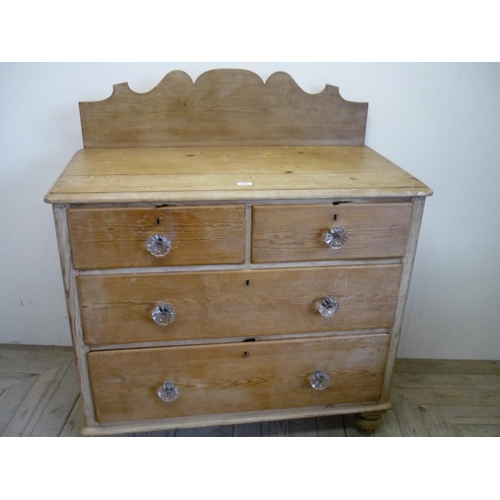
[[136, 175]]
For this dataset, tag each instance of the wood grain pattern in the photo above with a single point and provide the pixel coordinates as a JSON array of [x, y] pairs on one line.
[[299, 427], [223, 107], [20, 366], [468, 415], [216, 173], [272, 376], [55, 414], [390, 426], [117, 309], [116, 237], [288, 233], [451, 397], [230, 418], [446, 381], [75, 422], [193, 160], [73, 305], [248, 430], [35, 401], [13, 393], [240, 160], [437, 425], [416, 220], [447, 366], [409, 415], [213, 431], [332, 426]]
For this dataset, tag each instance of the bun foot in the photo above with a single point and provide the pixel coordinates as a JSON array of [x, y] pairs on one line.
[[368, 421]]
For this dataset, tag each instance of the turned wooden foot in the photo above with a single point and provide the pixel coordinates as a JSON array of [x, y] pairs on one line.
[[369, 421]]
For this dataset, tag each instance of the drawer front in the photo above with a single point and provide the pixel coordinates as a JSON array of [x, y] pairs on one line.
[[288, 233], [117, 237], [118, 308], [216, 379]]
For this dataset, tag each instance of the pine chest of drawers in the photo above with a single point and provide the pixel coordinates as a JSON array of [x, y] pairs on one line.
[[232, 252]]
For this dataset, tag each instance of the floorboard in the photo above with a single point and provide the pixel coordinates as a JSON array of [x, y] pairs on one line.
[[55, 414], [390, 426], [36, 400], [303, 427], [457, 415], [446, 366], [446, 381], [409, 416], [12, 397], [248, 430], [75, 422], [278, 428], [332, 426], [215, 431]]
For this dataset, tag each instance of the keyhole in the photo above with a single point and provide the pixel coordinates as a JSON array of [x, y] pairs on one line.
[[158, 222], [247, 282], [335, 217], [246, 354]]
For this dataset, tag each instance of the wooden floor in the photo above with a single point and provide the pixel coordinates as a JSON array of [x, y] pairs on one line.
[[39, 396]]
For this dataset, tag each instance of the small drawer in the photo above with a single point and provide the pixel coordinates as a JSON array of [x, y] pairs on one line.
[[229, 378], [119, 308], [125, 237], [289, 233]]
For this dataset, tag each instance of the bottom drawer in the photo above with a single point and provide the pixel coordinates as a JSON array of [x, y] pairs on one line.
[[228, 378]]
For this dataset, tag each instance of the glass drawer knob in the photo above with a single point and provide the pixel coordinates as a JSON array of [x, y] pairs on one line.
[[163, 314], [158, 245], [336, 238], [168, 392], [320, 380], [328, 306]]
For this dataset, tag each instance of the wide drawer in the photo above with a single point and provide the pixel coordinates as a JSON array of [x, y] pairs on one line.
[[118, 308], [287, 233], [117, 237], [228, 378]]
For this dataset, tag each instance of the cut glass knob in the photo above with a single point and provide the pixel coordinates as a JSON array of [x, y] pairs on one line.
[[163, 314], [336, 238], [328, 306], [168, 392], [320, 380], [158, 245]]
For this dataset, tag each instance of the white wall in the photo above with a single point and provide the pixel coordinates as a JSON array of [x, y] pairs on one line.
[[441, 122]]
